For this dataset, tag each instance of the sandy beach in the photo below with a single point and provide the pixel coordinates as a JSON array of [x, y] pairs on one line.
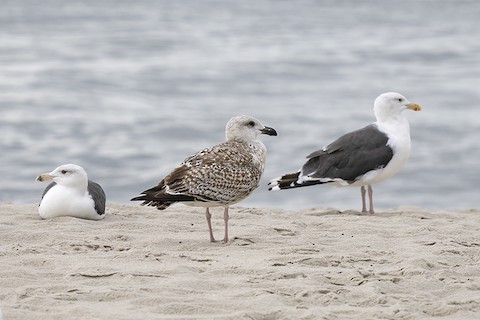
[[318, 263]]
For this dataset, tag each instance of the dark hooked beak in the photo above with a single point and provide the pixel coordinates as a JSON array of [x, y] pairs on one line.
[[269, 131]]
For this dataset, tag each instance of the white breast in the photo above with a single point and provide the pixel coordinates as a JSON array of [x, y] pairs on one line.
[[61, 201], [398, 133]]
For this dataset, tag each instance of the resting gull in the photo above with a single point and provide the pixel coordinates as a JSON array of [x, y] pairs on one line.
[[363, 157], [219, 176], [71, 194]]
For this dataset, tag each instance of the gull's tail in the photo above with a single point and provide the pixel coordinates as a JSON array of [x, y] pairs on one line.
[[289, 181]]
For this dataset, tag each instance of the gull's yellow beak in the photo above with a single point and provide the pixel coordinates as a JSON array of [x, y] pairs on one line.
[[44, 177], [414, 106]]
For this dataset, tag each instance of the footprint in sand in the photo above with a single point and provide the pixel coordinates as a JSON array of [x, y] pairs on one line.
[[285, 232]]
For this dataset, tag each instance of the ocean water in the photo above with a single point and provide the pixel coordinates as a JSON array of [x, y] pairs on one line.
[[128, 89]]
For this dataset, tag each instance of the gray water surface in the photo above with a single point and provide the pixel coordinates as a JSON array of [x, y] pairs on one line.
[[128, 89]]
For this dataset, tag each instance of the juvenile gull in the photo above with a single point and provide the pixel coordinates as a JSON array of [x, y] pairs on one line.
[[71, 194], [219, 176], [363, 157]]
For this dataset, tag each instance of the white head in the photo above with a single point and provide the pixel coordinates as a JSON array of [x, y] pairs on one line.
[[246, 128], [69, 175], [391, 104]]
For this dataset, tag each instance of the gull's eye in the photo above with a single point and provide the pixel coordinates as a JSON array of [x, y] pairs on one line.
[[400, 100], [251, 124], [64, 171]]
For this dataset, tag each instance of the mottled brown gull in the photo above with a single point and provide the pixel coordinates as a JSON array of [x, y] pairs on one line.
[[219, 176], [362, 157], [71, 194]]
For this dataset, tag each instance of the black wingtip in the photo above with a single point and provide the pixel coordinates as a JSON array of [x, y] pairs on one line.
[[139, 198]]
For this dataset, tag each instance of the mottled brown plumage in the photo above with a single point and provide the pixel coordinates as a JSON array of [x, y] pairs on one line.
[[218, 176]]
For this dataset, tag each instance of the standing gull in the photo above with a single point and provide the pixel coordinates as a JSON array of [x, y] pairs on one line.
[[219, 176], [71, 194], [363, 157]]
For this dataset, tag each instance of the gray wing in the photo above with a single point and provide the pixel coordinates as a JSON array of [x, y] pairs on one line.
[[350, 156], [98, 196], [50, 186]]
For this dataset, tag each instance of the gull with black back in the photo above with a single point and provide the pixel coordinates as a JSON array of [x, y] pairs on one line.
[[362, 157], [71, 194]]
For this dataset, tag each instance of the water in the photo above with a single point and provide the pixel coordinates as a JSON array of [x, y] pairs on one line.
[[129, 89]]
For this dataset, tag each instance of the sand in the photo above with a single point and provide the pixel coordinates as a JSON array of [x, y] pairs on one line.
[[141, 263]]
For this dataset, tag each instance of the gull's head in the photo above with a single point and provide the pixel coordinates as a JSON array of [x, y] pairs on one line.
[[69, 175], [391, 104], [246, 128]]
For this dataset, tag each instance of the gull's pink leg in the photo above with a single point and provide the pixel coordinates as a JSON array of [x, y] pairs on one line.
[[364, 205], [209, 216], [370, 198], [225, 218]]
